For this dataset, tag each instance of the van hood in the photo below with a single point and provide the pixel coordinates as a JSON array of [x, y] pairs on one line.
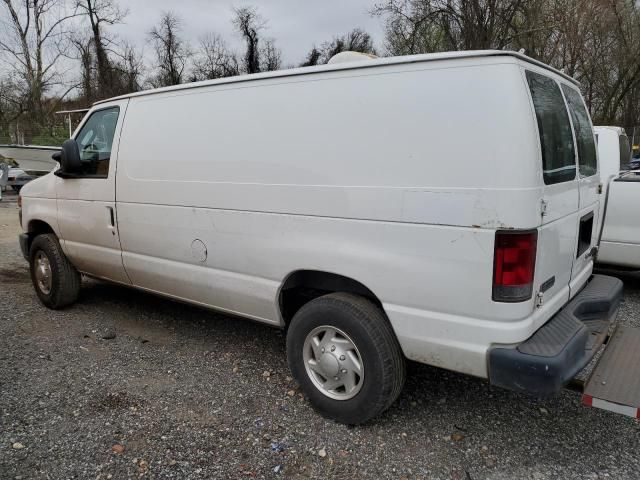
[[41, 187]]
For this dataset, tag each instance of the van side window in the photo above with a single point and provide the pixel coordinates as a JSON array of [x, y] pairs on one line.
[[587, 159], [556, 138], [94, 141]]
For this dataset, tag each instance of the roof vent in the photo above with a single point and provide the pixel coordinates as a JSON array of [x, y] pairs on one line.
[[345, 57]]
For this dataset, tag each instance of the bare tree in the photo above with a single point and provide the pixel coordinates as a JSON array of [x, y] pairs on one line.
[[411, 26], [85, 54], [258, 57], [270, 56], [34, 41], [622, 78], [102, 13], [130, 67], [418, 26], [249, 23], [214, 60], [313, 58], [478, 24], [171, 50], [12, 107]]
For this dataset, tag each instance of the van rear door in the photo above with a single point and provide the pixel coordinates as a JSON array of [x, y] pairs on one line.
[[589, 182], [560, 192]]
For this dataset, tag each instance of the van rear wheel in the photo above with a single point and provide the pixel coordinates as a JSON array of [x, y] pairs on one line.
[[344, 354], [54, 278]]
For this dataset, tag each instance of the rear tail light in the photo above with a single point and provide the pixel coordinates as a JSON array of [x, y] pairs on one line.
[[514, 263]]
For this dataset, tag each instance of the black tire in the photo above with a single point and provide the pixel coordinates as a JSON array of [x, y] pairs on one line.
[[16, 188], [370, 330], [65, 279]]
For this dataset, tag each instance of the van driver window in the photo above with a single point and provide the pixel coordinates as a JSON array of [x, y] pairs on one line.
[[94, 142], [556, 138]]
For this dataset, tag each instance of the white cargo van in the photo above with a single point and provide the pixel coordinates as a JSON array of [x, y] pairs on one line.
[[438, 208]]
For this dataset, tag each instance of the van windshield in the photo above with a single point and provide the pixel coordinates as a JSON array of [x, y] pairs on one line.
[[556, 138], [587, 159]]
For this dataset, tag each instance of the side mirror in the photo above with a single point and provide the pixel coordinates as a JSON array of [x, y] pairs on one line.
[[69, 157]]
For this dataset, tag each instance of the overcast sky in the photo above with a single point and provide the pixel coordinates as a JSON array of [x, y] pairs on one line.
[[296, 25]]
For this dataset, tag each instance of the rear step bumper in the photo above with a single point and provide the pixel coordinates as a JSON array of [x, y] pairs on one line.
[[563, 346]]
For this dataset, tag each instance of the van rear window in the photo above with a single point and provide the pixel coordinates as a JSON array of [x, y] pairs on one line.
[[587, 160], [556, 138]]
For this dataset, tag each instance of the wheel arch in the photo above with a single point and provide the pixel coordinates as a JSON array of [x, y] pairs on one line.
[[36, 227], [301, 286]]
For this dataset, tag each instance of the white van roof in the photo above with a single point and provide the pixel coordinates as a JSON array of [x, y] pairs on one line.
[[365, 63]]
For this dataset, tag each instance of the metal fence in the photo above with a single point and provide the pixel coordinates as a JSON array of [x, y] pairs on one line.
[[16, 134], [52, 131]]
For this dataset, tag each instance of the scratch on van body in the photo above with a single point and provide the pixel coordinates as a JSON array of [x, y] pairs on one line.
[[459, 237]]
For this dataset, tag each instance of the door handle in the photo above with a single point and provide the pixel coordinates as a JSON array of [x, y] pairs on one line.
[[112, 224]]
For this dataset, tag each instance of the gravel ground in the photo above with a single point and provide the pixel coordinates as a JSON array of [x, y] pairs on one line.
[[126, 384]]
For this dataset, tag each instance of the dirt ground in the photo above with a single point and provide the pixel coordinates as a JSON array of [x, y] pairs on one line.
[[125, 385]]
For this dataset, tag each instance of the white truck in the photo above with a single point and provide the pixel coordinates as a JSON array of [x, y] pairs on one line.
[[342, 204], [620, 240]]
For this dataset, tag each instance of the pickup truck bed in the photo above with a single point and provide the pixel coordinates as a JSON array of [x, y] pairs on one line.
[[620, 242]]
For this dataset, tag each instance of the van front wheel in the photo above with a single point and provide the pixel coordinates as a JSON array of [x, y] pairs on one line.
[[55, 280], [342, 351]]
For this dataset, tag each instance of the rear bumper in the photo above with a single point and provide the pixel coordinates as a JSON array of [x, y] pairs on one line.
[[563, 346]]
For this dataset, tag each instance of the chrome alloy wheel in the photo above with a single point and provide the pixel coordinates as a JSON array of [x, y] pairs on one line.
[[333, 362], [43, 272]]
